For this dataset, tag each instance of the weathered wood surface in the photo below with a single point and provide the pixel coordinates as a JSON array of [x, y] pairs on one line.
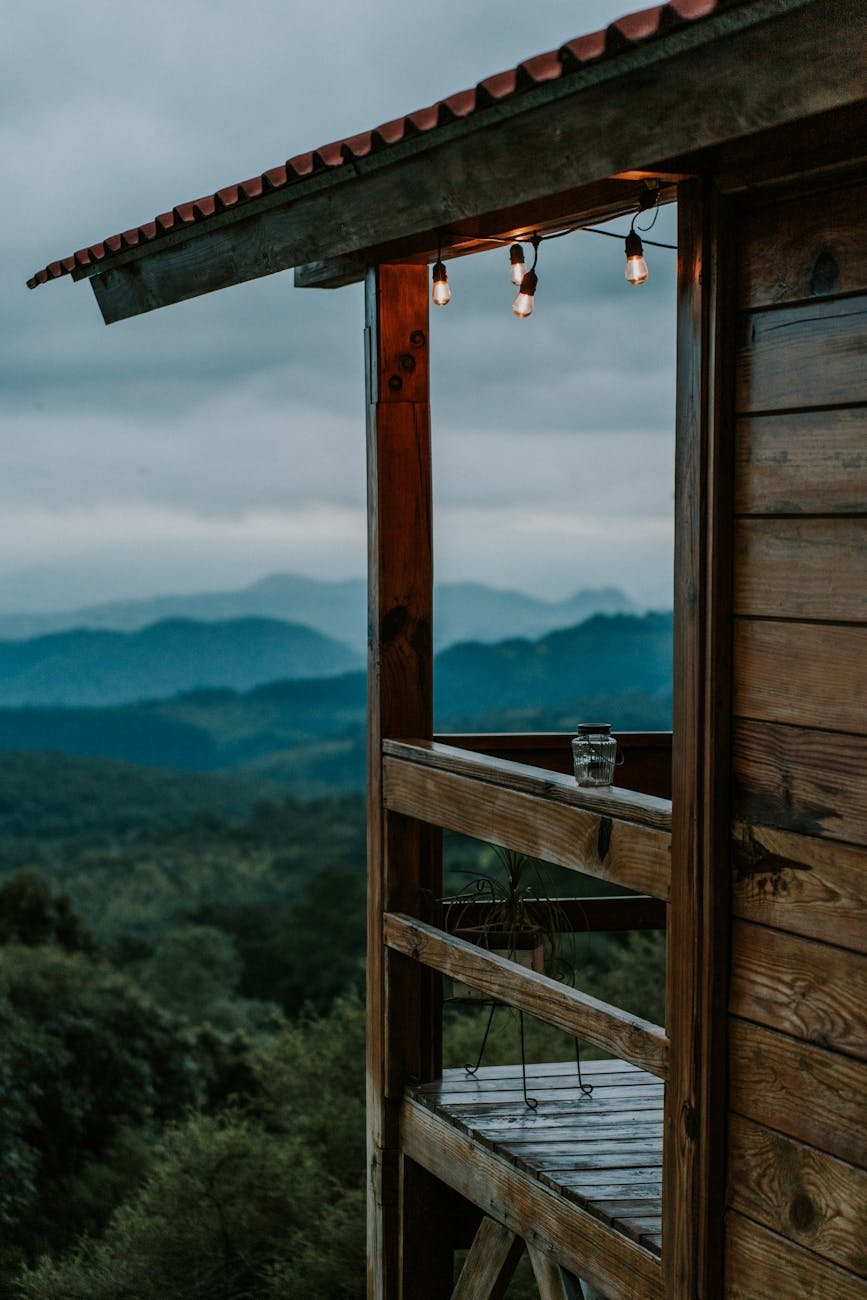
[[798, 883], [802, 568], [760, 1265], [567, 1233], [631, 1038], [403, 860], [802, 357], [636, 857], [801, 780], [599, 1150], [696, 946], [810, 990], [579, 129], [579, 915], [799, 1192], [647, 754], [611, 801], [490, 1263], [806, 462], [554, 1283], [810, 1094], [807, 674], [804, 248]]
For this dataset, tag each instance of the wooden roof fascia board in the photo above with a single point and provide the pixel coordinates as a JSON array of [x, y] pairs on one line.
[[438, 179], [666, 46]]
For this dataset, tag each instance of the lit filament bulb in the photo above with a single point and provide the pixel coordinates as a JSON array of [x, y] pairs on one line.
[[636, 267], [441, 293], [518, 270], [523, 304]]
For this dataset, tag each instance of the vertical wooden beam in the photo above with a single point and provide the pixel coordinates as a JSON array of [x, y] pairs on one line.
[[403, 860], [697, 951]]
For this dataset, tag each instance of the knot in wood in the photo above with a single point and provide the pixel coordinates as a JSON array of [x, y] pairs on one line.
[[826, 274], [395, 383], [802, 1212], [417, 338], [406, 361]]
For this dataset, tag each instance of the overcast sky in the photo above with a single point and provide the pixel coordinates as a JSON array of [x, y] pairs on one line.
[[207, 444]]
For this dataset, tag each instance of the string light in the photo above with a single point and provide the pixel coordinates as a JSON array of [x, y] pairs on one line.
[[524, 302], [636, 267], [527, 281], [441, 294], [517, 269]]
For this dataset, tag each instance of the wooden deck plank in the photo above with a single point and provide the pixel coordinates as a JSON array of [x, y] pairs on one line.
[[606, 1162], [573, 1238]]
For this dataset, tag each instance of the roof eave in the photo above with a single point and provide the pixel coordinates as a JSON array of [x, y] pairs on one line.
[[676, 96]]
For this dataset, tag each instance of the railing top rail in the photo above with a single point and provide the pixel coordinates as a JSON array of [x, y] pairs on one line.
[[608, 801]]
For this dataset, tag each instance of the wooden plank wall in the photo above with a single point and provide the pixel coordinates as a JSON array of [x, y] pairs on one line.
[[796, 1221]]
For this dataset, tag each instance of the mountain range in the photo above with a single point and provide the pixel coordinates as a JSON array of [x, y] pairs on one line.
[[88, 667], [620, 663], [464, 611]]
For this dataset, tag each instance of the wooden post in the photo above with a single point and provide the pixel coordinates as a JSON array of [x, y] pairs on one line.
[[404, 870], [697, 951]]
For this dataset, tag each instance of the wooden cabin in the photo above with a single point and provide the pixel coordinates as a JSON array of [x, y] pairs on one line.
[[723, 1154]]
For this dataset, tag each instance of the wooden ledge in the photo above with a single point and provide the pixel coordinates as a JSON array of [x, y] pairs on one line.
[[610, 801], [613, 834]]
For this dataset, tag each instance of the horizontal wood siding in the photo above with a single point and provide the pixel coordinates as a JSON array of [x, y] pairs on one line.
[[797, 1187]]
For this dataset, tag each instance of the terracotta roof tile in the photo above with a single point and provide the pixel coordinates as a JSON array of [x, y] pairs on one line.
[[573, 55]]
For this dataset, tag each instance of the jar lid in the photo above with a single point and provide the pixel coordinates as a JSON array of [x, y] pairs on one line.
[[594, 728]]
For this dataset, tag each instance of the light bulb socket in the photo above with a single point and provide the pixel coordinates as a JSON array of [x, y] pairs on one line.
[[516, 254], [528, 284], [634, 246], [440, 274]]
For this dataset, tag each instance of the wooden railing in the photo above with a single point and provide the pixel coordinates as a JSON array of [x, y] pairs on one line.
[[626, 1036], [614, 834], [619, 835]]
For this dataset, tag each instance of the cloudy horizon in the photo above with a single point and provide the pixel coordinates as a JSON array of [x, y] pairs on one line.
[[203, 446]]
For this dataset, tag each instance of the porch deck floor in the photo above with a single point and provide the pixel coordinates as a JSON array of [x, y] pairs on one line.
[[602, 1151]]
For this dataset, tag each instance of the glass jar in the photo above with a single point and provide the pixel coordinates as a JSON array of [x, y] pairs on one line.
[[594, 753]]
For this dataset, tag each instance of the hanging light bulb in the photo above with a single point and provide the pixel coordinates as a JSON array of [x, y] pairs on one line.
[[636, 267], [441, 293], [523, 304], [518, 269]]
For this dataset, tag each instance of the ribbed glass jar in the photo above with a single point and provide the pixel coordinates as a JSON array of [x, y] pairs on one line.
[[594, 753]]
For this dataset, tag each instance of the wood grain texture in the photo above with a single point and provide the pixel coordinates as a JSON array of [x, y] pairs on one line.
[[553, 1282], [809, 247], [696, 946], [633, 856], [803, 357], [801, 780], [806, 462], [810, 990], [802, 568], [810, 1094], [801, 884], [807, 674], [627, 1036], [576, 1240], [490, 1263], [611, 801], [401, 1028], [576, 130], [760, 1265], [799, 1192]]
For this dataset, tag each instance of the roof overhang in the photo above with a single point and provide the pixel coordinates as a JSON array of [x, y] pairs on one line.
[[572, 148]]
